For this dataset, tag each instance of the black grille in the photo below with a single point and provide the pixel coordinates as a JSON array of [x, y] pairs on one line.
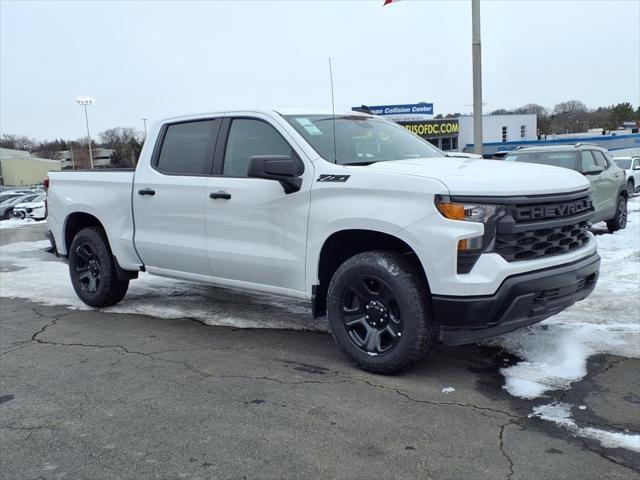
[[542, 242]]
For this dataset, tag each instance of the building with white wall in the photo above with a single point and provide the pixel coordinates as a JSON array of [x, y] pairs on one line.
[[498, 128]]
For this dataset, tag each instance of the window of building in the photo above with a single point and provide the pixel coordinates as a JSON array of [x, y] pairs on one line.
[[249, 138], [446, 144], [523, 131], [504, 134], [187, 148]]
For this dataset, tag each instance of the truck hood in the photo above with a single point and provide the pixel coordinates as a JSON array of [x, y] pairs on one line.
[[489, 177]]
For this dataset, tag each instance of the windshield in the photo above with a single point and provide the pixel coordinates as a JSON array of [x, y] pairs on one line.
[[625, 164], [25, 199], [360, 140], [8, 198], [556, 159]]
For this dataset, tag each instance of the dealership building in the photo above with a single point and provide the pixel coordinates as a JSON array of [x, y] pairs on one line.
[[501, 133], [456, 133]]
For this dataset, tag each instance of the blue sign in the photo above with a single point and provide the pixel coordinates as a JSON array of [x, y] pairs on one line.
[[408, 109]]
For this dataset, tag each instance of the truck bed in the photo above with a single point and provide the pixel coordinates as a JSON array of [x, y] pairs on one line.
[[104, 194]]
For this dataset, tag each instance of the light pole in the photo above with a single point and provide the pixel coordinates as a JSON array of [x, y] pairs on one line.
[[84, 101], [477, 76], [145, 127]]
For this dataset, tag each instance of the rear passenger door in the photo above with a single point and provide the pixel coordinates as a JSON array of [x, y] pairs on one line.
[[610, 181], [593, 172], [169, 199]]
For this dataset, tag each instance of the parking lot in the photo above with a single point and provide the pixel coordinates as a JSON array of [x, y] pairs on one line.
[[99, 394]]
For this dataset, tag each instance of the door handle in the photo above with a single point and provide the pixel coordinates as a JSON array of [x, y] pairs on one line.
[[146, 191], [221, 194]]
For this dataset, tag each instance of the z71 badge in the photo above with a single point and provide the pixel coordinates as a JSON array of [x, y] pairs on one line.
[[333, 178]]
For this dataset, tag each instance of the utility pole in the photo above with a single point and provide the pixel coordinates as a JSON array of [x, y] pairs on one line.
[[477, 77], [73, 164], [145, 127]]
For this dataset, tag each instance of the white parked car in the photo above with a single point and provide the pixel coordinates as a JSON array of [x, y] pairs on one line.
[[399, 245], [34, 209], [631, 167]]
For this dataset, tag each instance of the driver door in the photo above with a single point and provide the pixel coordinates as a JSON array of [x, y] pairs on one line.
[[256, 233]]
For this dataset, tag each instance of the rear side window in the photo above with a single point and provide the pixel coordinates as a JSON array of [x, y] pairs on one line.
[[187, 148], [588, 162], [601, 161], [249, 138]]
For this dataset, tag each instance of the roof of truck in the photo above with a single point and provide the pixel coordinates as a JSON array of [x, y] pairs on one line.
[[267, 111]]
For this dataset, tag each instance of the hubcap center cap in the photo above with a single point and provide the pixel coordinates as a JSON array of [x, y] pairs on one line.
[[376, 314]]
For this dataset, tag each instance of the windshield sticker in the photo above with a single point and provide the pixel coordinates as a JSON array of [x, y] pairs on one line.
[[308, 126]]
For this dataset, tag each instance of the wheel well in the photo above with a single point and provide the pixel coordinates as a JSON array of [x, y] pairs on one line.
[[76, 222], [343, 245]]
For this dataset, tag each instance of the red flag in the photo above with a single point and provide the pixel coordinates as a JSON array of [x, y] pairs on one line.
[[387, 2]]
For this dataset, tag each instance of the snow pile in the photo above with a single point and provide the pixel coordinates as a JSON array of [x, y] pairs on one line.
[[555, 352], [31, 274], [560, 413], [448, 390], [19, 222]]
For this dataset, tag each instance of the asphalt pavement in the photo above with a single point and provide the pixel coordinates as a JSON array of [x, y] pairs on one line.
[[100, 395]]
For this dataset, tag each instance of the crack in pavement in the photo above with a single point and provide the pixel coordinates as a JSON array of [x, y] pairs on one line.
[[347, 378], [504, 452]]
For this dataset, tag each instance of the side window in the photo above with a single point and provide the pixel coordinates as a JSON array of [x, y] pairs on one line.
[[187, 148], [588, 162], [248, 138], [601, 161]]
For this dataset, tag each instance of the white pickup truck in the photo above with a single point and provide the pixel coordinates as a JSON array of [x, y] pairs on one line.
[[398, 244]]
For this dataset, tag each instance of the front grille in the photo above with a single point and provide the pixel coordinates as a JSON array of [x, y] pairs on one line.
[[542, 242]]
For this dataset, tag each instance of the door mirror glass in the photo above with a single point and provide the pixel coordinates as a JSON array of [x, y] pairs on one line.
[[283, 168]]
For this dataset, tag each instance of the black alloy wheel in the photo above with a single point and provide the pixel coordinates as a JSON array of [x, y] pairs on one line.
[[371, 315], [88, 268]]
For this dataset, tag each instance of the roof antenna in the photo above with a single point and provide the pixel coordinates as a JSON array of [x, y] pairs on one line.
[[333, 115]]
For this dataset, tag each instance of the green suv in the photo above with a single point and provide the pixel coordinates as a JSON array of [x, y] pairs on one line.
[[608, 181]]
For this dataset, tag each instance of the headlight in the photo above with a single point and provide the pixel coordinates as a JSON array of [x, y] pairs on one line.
[[469, 212], [470, 249]]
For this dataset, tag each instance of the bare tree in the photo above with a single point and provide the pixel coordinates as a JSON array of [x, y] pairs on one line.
[[17, 142], [570, 116]]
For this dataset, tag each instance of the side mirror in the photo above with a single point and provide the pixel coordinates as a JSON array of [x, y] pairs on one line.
[[284, 169], [594, 170]]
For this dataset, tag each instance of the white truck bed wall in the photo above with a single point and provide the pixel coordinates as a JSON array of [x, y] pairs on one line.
[[104, 194]]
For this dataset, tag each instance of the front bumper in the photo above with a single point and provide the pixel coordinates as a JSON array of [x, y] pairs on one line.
[[521, 300]]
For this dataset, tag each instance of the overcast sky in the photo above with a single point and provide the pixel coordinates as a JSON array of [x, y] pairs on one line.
[[157, 59]]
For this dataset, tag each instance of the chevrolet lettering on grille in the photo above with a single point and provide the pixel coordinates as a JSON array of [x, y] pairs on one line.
[[544, 212]]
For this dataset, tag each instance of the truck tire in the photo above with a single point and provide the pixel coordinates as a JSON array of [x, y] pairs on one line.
[[620, 220], [92, 268], [379, 312]]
